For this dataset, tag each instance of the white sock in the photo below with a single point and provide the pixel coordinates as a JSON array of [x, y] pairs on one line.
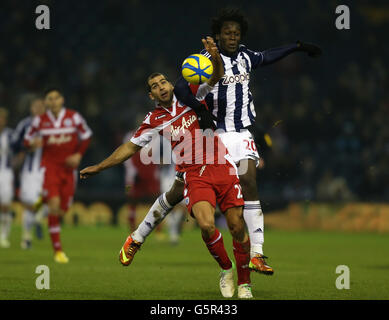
[[6, 218], [28, 223], [156, 214], [253, 216]]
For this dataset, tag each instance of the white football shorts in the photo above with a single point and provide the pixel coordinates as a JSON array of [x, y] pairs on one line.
[[31, 184], [240, 145], [6, 187]]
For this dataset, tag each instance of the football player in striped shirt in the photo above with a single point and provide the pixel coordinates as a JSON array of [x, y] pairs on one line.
[[6, 179], [31, 173]]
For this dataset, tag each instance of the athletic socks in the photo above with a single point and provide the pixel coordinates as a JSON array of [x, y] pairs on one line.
[[5, 224], [242, 258], [253, 216], [28, 223], [156, 214], [54, 230], [216, 248]]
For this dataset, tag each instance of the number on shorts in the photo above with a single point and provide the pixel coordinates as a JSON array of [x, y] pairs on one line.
[[239, 188], [250, 145]]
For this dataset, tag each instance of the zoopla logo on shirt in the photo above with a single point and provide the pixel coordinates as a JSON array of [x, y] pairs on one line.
[[236, 78]]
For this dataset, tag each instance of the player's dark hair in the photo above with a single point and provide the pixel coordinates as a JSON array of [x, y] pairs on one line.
[[152, 76], [229, 14], [51, 89]]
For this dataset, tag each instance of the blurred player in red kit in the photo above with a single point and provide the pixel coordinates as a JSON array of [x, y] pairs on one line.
[[142, 183], [64, 137]]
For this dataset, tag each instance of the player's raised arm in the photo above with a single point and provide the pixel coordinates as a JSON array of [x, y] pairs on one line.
[[121, 154], [218, 68], [272, 55]]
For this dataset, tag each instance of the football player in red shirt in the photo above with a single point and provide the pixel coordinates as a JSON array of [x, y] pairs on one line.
[[208, 179], [64, 137]]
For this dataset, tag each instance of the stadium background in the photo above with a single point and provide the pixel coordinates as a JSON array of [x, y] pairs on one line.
[[327, 117], [328, 168]]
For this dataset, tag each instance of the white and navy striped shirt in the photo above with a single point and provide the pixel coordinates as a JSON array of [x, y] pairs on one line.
[[5, 149], [231, 100], [32, 161]]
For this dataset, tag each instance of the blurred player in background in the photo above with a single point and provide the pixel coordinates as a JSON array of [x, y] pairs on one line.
[[207, 182], [142, 184], [231, 105], [6, 179], [64, 137], [31, 174]]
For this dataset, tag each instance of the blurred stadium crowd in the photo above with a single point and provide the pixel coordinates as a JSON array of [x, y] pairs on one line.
[[327, 117]]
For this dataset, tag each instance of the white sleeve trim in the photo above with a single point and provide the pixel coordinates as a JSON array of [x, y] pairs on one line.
[[203, 91]]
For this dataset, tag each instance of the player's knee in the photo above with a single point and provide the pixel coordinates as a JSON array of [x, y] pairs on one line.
[[175, 194], [237, 229], [249, 188], [207, 227]]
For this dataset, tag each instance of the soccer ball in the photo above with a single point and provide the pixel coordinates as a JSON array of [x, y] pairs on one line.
[[197, 69]]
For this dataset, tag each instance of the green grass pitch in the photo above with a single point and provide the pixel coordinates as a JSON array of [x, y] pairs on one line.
[[304, 264]]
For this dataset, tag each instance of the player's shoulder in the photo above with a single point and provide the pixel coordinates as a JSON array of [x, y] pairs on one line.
[[155, 117], [70, 113]]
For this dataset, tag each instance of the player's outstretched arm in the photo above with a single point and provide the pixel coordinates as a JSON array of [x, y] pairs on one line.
[[273, 55], [121, 154]]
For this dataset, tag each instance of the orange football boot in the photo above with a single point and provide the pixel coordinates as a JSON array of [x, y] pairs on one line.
[[127, 253], [258, 264]]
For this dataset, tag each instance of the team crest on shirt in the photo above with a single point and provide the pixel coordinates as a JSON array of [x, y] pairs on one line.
[[68, 122]]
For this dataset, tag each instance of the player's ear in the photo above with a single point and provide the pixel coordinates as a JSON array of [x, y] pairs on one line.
[[151, 96]]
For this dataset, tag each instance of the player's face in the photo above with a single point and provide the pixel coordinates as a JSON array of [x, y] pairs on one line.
[[37, 107], [229, 37], [161, 90], [54, 101]]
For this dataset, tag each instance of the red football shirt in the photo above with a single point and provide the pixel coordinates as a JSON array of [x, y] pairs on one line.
[[180, 126], [62, 136]]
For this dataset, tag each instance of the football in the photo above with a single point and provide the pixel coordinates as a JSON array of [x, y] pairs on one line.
[[197, 69]]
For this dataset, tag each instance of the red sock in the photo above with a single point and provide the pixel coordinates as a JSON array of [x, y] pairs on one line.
[[132, 216], [54, 230], [242, 258], [215, 246]]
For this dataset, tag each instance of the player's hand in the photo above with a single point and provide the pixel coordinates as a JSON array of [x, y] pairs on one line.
[[89, 171], [74, 160], [36, 143], [204, 116], [310, 48], [218, 68]]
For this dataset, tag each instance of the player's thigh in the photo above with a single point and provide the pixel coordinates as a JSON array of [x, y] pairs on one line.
[[204, 213], [175, 194], [248, 182], [235, 222]]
